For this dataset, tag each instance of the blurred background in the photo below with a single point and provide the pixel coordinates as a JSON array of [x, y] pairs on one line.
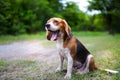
[[29, 16], [25, 53]]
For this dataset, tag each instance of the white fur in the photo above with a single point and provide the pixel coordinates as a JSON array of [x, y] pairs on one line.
[[88, 62], [111, 71], [86, 68], [69, 64], [59, 47], [64, 54], [53, 27], [46, 29]]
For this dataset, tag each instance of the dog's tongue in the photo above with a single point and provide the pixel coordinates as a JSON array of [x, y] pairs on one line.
[[54, 36]]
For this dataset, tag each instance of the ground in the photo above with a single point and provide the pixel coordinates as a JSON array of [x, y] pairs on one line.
[[37, 59], [32, 49], [35, 51]]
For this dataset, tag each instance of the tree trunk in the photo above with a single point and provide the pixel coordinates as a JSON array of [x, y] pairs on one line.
[[109, 22]]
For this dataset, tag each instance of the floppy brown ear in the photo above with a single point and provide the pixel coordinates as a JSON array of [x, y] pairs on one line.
[[67, 28], [48, 34]]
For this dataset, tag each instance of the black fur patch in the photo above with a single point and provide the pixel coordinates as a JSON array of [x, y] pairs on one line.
[[82, 52]]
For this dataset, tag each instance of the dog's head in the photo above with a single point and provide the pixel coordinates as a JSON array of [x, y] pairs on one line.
[[57, 28]]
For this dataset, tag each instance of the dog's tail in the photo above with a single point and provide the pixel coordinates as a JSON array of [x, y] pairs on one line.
[[108, 70], [112, 71]]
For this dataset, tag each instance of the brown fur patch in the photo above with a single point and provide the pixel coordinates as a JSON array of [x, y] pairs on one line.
[[71, 44], [58, 22], [92, 65], [48, 34]]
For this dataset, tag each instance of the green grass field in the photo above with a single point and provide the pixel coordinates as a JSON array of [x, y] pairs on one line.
[[104, 47]]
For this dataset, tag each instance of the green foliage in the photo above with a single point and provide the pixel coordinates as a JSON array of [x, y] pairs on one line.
[[110, 11], [77, 19], [23, 16], [29, 16], [100, 22]]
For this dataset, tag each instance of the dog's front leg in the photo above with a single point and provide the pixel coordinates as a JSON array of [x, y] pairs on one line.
[[60, 67], [69, 66]]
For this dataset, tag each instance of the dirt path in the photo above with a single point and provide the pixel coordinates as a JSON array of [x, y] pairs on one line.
[[27, 50]]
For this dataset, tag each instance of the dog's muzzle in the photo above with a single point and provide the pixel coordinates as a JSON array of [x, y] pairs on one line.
[[47, 26]]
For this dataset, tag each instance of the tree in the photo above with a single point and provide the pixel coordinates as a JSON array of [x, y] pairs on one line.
[[77, 19], [110, 9], [25, 16]]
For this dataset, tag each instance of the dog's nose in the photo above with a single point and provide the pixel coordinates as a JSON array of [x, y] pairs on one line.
[[47, 25]]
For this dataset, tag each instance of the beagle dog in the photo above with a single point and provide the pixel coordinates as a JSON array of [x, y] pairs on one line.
[[70, 48]]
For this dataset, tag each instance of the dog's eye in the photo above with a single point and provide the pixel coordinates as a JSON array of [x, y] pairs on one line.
[[55, 21]]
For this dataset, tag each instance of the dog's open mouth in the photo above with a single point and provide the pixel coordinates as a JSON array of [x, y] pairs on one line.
[[54, 35]]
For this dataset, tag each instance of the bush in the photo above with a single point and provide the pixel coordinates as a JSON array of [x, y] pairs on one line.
[[23, 16]]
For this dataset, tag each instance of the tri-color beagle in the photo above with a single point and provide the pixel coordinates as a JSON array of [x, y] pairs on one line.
[[70, 48]]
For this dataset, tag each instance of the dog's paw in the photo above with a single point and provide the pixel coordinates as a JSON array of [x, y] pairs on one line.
[[58, 69], [67, 76]]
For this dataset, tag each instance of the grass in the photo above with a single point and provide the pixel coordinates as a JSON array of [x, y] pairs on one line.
[[104, 47], [9, 38], [4, 39]]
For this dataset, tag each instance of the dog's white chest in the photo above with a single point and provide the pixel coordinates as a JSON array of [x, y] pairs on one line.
[[59, 44], [64, 52]]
